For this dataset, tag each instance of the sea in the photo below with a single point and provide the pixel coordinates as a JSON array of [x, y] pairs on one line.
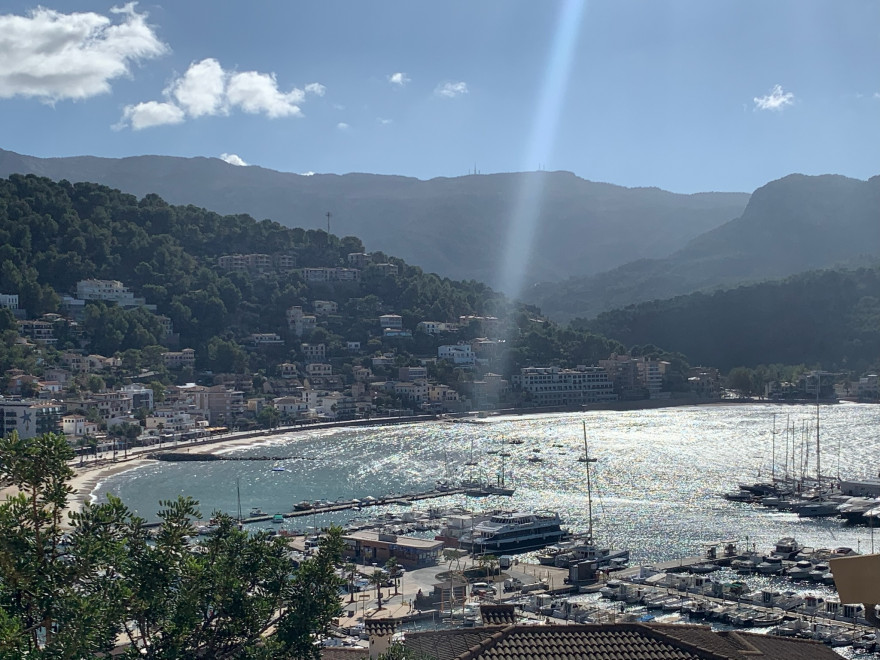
[[657, 482]]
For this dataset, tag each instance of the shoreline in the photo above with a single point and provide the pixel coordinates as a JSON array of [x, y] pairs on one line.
[[89, 475]]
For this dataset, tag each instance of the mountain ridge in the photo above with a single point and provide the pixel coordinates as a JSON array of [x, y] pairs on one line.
[[795, 224], [455, 226]]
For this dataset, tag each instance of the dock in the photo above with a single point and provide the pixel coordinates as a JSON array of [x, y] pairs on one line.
[[347, 505]]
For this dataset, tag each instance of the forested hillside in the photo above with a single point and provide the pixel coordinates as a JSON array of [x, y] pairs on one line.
[[793, 225], [829, 318], [457, 227], [55, 234]]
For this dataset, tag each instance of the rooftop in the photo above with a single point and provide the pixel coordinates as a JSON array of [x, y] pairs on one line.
[[632, 641]]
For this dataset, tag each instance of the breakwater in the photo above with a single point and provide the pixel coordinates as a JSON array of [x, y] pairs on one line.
[[179, 456]]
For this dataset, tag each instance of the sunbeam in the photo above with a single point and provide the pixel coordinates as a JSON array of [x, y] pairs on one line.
[[527, 207]]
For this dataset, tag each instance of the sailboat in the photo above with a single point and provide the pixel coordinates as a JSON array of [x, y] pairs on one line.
[[826, 504], [470, 461], [585, 548], [586, 457], [500, 487]]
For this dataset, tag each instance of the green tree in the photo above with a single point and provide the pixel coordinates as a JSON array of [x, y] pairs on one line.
[[393, 568], [377, 578], [311, 602], [59, 593]]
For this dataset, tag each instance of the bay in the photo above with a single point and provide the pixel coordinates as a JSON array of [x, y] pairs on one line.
[[657, 484]]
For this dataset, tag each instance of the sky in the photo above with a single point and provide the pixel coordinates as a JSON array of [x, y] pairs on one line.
[[688, 96]]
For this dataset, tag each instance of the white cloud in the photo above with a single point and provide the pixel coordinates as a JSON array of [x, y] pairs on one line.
[[450, 89], [53, 56], [206, 89], [233, 159], [201, 90], [400, 79], [384, 122], [258, 93], [777, 99], [151, 113], [342, 126], [307, 174], [877, 95]]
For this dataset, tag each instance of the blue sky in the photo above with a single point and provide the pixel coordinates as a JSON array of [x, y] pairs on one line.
[[687, 96]]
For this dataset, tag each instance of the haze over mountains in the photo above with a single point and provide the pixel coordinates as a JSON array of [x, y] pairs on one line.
[[456, 227], [792, 225], [597, 246]]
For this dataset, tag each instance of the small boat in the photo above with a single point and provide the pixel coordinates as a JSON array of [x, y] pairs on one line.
[[535, 459], [257, 512], [278, 468], [277, 518], [586, 457]]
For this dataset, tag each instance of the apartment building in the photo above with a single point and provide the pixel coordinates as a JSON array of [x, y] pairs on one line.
[[553, 386]]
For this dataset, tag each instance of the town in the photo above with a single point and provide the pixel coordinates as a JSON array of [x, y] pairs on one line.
[[69, 390]]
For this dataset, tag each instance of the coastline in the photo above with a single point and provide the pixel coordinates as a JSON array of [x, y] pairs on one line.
[[90, 474]]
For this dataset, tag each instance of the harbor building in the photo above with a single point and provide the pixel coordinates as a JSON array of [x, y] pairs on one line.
[[553, 386], [367, 546]]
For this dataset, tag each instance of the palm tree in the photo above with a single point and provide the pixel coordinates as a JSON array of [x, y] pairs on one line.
[[393, 569], [350, 568], [377, 578]]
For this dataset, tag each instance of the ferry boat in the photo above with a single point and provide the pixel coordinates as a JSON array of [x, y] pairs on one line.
[[515, 531]]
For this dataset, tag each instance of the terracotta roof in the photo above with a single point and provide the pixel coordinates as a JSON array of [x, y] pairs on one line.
[[380, 626], [494, 615], [623, 641]]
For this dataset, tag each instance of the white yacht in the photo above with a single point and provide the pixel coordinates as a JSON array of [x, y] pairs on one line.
[[515, 531]]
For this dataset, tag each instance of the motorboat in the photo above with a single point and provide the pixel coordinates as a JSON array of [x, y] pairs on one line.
[[800, 571], [786, 548], [515, 531]]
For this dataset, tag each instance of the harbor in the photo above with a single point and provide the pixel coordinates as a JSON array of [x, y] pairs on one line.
[[657, 490]]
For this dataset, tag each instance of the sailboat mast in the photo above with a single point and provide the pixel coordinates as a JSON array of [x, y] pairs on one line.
[[238, 495], [589, 486], [818, 454], [773, 453]]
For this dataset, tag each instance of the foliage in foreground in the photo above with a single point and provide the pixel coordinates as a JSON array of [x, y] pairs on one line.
[[104, 580]]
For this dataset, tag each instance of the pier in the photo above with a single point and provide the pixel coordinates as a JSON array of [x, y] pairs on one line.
[[331, 507], [179, 456]]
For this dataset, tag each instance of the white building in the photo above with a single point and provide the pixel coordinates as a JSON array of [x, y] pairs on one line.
[[314, 352], [28, 417], [178, 359], [552, 386], [432, 327], [78, 426], [323, 307], [461, 354], [9, 300], [319, 369], [108, 291], [300, 323], [141, 397], [391, 322]]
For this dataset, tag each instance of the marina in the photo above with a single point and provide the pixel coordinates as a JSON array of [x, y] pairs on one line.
[[656, 486], [648, 485]]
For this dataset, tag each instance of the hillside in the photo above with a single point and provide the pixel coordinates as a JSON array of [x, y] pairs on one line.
[[53, 235], [792, 225], [828, 318], [455, 227]]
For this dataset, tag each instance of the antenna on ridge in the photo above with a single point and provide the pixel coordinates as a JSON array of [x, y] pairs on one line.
[[328, 223]]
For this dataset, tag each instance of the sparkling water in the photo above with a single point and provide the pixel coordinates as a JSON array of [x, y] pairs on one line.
[[657, 484]]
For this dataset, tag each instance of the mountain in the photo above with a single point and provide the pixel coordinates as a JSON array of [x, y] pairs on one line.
[[830, 318], [791, 225], [455, 227]]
